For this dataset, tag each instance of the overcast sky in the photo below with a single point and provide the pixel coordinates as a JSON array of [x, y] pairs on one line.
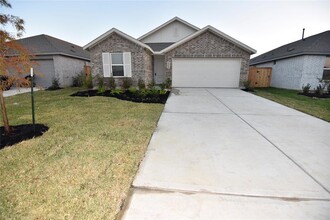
[[262, 25]]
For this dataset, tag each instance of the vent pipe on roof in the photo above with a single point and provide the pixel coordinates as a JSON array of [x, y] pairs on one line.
[[303, 34]]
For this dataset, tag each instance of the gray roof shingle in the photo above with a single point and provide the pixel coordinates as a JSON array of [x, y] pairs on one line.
[[318, 44], [47, 45]]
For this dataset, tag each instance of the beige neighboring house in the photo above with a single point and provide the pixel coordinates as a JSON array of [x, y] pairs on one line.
[[190, 56], [56, 58]]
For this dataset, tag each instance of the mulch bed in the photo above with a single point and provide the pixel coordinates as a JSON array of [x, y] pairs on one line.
[[127, 95], [20, 133], [314, 95], [248, 90]]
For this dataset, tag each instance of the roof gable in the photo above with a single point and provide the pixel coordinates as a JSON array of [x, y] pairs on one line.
[[318, 44], [120, 33], [47, 45], [171, 31], [214, 31]]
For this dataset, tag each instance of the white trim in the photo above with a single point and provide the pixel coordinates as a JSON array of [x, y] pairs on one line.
[[122, 34], [213, 30], [167, 23], [127, 64], [106, 64]]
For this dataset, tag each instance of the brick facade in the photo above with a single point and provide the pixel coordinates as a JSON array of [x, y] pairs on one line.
[[209, 45], [141, 58]]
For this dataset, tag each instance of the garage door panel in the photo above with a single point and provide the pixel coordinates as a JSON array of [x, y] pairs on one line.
[[206, 72]]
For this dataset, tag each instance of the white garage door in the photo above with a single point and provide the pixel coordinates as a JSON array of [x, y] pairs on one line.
[[206, 72]]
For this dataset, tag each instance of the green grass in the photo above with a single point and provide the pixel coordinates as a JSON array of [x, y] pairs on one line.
[[314, 106], [83, 166]]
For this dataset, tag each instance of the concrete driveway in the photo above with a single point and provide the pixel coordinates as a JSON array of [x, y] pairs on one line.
[[15, 91], [225, 153]]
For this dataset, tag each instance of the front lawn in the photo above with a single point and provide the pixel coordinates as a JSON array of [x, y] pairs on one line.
[[314, 106], [83, 166]]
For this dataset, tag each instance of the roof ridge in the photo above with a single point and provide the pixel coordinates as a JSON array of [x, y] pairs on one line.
[[308, 45], [47, 38]]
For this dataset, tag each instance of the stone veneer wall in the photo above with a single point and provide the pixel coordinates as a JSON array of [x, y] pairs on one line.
[[209, 45], [141, 59]]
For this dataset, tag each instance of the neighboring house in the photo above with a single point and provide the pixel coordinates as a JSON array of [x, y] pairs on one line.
[[190, 56], [298, 63], [56, 58]]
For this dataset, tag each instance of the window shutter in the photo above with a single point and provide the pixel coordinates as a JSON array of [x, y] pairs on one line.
[[106, 60], [127, 64]]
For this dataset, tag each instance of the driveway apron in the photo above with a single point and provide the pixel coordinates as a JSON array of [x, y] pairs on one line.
[[225, 153]]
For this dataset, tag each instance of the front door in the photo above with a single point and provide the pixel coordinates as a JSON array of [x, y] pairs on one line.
[[159, 69]]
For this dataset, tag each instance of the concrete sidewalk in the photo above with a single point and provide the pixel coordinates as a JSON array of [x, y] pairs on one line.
[[15, 91], [225, 153]]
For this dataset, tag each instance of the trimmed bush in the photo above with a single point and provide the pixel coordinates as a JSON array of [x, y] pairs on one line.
[[305, 89], [100, 84], [141, 84], [78, 80], [151, 84], [55, 84], [127, 83], [112, 83], [89, 81], [168, 83]]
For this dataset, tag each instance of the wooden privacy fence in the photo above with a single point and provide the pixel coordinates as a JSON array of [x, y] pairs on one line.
[[260, 76], [87, 70]]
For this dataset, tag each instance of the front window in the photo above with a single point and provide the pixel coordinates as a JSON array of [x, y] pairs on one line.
[[117, 64]]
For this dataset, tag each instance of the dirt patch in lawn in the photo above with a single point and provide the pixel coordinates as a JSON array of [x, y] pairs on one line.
[[20, 133], [149, 97]]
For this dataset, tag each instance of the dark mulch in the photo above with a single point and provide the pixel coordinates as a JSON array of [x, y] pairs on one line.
[[20, 133], [314, 95], [248, 90], [127, 95]]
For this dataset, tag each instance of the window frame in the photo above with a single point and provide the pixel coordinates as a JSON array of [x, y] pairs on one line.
[[112, 64]]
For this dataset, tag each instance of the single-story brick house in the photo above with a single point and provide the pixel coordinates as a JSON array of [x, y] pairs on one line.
[[56, 59], [190, 56], [298, 63]]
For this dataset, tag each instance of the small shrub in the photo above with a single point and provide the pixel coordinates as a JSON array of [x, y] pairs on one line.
[[162, 92], [112, 83], [168, 83], [305, 89], [133, 89], [324, 84], [88, 83], [151, 84], [247, 85], [116, 91], [162, 86], [141, 84], [55, 84], [127, 83], [319, 90], [153, 91], [144, 92], [78, 80], [100, 84]]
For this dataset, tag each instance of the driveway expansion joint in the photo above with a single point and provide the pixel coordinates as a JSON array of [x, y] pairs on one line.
[[200, 113], [192, 192], [279, 149]]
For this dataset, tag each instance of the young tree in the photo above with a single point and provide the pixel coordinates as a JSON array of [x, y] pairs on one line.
[[13, 57]]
